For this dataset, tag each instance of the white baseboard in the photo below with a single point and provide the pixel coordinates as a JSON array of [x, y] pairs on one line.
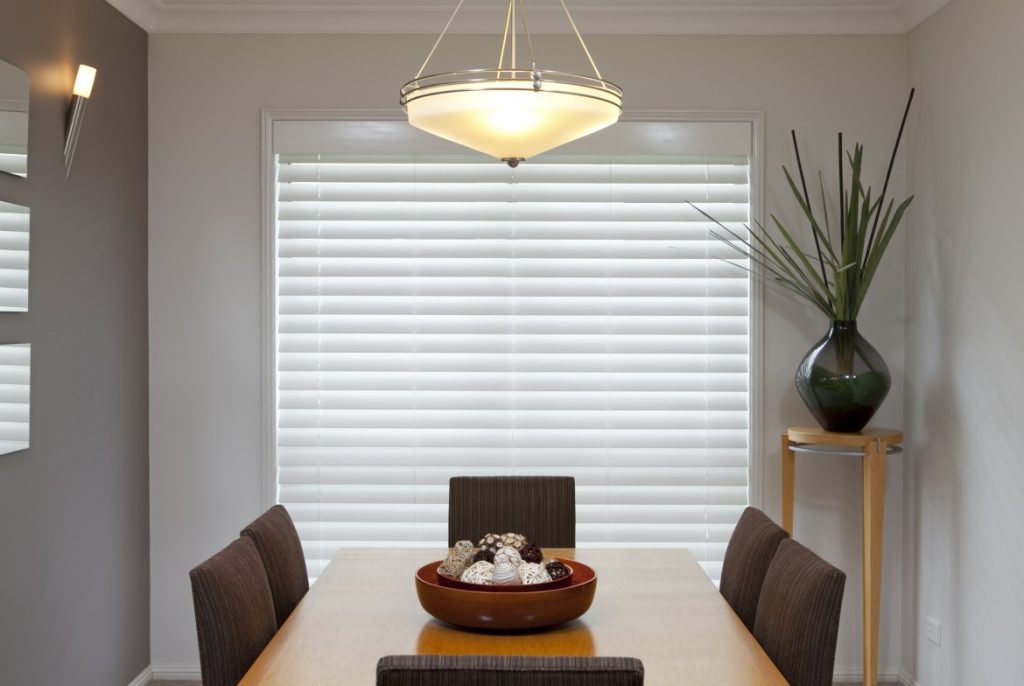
[[143, 678], [889, 675], [905, 679], [176, 673]]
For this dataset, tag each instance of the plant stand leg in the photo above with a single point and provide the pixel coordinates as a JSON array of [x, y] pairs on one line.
[[788, 483], [873, 487]]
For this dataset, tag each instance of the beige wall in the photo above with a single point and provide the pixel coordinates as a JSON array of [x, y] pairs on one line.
[[74, 535], [965, 347], [205, 99]]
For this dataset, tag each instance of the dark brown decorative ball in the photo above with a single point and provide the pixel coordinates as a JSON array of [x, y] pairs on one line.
[[557, 570], [491, 542], [531, 552], [484, 555]]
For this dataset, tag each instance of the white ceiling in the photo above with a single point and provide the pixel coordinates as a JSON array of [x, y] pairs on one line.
[[593, 16]]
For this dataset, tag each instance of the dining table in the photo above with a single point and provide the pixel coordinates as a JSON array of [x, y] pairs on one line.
[[657, 605]]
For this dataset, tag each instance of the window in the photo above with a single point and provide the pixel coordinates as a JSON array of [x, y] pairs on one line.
[[439, 315]]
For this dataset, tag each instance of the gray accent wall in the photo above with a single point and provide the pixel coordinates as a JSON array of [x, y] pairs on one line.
[[74, 514]]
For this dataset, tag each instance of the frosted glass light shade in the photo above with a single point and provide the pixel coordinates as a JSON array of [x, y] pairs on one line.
[[84, 81], [511, 118]]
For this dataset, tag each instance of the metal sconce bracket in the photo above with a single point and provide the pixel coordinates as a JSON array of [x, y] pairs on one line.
[[72, 128], [80, 93]]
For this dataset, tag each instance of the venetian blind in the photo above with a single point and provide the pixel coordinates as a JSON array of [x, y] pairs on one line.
[[452, 316], [15, 391], [14, 238]]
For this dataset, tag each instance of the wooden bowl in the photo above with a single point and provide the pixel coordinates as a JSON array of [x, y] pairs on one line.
[[507, 610]]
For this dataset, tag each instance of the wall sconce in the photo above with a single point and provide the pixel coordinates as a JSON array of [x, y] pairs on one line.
[[76, 113]]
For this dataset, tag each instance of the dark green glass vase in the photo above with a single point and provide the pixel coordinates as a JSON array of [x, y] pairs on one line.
[[843, 380]]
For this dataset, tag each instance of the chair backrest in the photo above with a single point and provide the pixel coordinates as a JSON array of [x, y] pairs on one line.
[[543, 508], [234, 612], [508, 670], [747, 557], [279, 546], [798, 616]]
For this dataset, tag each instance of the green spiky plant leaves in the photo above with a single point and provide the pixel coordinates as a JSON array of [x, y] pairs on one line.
[[837, 272]]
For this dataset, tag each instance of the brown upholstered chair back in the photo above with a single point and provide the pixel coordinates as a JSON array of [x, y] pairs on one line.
[[798, 616], [750, 551], [543, 508], [509, 670], [234, 612], [278, 543]]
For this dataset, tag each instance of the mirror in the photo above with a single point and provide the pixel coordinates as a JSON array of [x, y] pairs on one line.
[[14, 86], [14, 236], [15, 377]]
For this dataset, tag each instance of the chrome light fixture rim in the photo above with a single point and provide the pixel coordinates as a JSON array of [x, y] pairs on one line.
[[538, 79]]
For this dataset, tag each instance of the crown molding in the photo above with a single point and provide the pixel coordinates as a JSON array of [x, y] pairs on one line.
[[894, 17], [913, 12], [143, 12]]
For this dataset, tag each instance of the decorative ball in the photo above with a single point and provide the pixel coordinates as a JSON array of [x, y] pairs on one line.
[[454, 565], [484, 555], [459, 557], [506, 573], [533, 573], [557, 570], [531, 552], [464, 548], [510, 554], [512, 540], [491, 542], [479, 573]]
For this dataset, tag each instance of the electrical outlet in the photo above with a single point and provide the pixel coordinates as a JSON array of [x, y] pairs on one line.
[[933, 630]]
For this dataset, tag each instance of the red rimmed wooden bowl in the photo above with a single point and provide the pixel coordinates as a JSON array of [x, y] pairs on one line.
[[518, 588], [507, 610]]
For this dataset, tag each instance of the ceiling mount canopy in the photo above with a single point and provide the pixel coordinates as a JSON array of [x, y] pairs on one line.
[[511, 112]]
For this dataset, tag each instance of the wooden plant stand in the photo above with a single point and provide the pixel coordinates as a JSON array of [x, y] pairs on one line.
[[873, 446]]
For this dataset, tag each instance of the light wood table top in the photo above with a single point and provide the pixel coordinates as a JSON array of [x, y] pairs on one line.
[[656, 605]]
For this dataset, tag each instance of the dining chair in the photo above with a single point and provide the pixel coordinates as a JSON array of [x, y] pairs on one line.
[[747, 557], [798, 615], [543, 508], [279, 546], [508, 670], [234, 612]]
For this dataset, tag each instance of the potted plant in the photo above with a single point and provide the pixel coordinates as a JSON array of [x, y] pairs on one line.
[[842, 380]]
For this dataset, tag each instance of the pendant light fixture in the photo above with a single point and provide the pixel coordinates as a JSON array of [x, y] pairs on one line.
[[511, 112]]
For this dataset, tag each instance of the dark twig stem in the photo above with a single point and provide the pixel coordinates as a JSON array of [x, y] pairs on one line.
[[807, 199], [842, 201], [888, 175]]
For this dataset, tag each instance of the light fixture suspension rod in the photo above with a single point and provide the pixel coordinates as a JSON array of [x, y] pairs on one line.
[[583, 43], [515, 32], [439, 39], [504, 39], [529, 38]]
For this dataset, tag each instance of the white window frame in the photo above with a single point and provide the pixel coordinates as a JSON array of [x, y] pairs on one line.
[[268, 273]]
